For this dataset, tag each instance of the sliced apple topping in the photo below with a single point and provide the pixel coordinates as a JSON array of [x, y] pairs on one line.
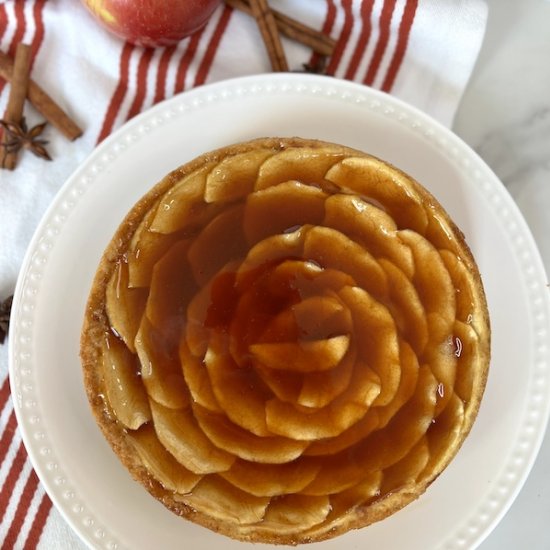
[[295, 342], [313, 424], [407, 384], [292, 513], [356, 496], [183, 206], [321, 388], [197, 379], [278, 209], [444, 433], [217, 244], [244, 444], [369, 226], [304, 165], [160, 463], [330, 248], [406, 307], [146, 248], [431, 278], [376, 339], [178, 431], [440, 234], [405, 472], [124, 305], [466, 351], [219, 499], [125, 391], [272, 479], [239, 391], [385, 447], [384, 186], [235, 176], [277, 247], [160, 369], [463, 282], [172, 286], [355, 433], [303, 356]]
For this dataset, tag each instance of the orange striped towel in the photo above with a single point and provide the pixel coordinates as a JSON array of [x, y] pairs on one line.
[[422, 52]]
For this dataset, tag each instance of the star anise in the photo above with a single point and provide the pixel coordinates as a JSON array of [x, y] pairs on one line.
[[18, 136], [5, 309]]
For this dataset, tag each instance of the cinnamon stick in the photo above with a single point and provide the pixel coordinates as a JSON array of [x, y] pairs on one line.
[[270, 34], [43, 103], [16, 100], [295, 30]]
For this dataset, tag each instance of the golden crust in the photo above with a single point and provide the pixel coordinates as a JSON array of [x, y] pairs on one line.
[[97, 325]]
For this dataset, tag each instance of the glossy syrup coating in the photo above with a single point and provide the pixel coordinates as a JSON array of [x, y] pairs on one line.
[[286, 339]]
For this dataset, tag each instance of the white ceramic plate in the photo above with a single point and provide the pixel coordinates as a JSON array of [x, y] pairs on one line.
[[82, 475]]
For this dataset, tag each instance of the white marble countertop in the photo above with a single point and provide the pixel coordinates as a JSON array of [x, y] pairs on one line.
[[505, 117]]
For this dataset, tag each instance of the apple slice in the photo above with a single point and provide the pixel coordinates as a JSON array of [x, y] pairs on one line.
[[291, 512], [125, 391], [183, 206], [463, 282], [172, 286], [234, 177], [307, 165], [314, 318], [145, 249], [178, 431], [406, 308], [467, 358], [160, 463], [124, 305], [361, 429], [217, 498], [440, 233], [330, 248], [387, 187], [444, 433], [304, 356], [347, 500], [339, 473], [272, 479], [321, 388], [277, 247], [406, 471], [238, 390], [242, 443], [197, 380], [376, 338], [160, 369], [280, 208], [371, 227], [407, 384], [309, 425], [383, 448], [321, 315], [220, 242], [437, 297], [285, 385]]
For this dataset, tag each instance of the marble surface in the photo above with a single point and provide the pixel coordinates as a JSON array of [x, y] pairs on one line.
[[505, 117]]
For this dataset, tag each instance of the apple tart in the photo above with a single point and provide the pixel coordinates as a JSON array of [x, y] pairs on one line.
[[286, 339]]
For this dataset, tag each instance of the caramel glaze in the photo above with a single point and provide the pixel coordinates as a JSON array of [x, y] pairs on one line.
[[328, 350]]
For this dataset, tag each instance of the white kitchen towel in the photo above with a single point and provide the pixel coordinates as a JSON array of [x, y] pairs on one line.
[[422, 51]]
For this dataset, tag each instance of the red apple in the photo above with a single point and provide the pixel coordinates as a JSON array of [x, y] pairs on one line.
[[152, 22]]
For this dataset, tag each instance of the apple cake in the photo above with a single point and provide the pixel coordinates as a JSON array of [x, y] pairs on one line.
[[286, 339]]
